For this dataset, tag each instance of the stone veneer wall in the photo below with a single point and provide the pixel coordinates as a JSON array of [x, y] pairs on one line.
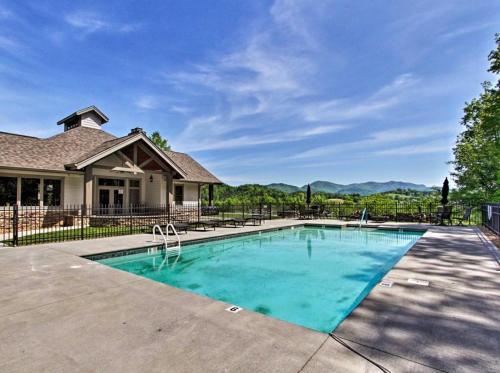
[[35, 219], [38, 219]]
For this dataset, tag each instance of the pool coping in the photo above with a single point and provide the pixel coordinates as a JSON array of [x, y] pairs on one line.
[[189, 242]]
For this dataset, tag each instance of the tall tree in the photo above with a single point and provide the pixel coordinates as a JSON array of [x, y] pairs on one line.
[[477, 150], [159, 141], [308, 195], [445, 190]]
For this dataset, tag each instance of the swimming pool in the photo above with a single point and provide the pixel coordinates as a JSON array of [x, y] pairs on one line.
[[310, 276]]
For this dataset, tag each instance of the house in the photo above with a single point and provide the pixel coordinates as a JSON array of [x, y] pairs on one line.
[[84, 165]]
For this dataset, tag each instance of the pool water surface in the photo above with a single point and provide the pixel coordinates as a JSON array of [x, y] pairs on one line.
[[309, 276]]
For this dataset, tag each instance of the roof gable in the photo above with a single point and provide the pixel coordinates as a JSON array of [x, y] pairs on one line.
[[114, 145]]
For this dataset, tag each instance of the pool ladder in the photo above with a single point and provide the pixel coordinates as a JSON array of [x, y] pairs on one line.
[[172, 250], [364, 216]]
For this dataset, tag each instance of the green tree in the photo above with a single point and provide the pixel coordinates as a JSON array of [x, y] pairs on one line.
[[159, 141], [477, 150], [445, 191]]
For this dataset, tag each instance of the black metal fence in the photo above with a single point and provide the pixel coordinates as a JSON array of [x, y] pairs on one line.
[[34, 225], [491, 216]]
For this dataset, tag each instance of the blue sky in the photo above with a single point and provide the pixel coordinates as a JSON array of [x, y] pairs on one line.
[[257, 91]]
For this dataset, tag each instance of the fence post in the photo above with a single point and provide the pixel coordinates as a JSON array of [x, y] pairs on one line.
[[243, 207], [130, 213], [270, 211], [396, 210], [82, 211], [15, 227]]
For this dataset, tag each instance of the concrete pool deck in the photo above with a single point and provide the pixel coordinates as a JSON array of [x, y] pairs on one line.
[[60, 312]]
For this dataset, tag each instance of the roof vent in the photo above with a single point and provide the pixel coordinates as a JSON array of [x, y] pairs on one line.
[[136, 130]]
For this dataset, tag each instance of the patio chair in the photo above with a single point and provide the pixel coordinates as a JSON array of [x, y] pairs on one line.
[[444, 213], [466, 216]]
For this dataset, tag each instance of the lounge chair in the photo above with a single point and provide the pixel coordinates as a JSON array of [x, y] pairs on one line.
[[236, 222], [467, 214], [254, 219], [206, 224], [181, 226]]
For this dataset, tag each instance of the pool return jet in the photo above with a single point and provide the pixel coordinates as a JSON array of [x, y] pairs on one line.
[[172, 250]]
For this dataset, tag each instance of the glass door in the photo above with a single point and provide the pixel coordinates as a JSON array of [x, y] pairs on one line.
[[103, 201], [118, 200]]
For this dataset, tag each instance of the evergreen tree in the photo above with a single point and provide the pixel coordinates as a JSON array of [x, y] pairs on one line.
[[159, 141]]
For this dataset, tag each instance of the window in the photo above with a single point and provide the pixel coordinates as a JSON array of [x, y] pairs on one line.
[[134, 192], [179, 194], [30, 192], [51, 192], [8, 191], [112, 182], [135, 183]]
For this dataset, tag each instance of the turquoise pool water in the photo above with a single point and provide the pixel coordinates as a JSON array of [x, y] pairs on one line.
[[309, 276]]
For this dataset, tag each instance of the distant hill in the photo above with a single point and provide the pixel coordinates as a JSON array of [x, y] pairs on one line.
[[284, 187], [367, 188]]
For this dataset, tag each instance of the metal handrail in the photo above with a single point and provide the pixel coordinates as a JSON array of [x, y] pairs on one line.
[[168, 250], [362, 217]]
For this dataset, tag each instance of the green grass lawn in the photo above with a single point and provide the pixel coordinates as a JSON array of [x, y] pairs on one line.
[[76, 234]]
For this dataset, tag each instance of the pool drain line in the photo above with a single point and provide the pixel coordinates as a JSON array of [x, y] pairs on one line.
[[340, 341]]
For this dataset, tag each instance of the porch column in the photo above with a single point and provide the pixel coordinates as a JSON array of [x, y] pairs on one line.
[[169, 188], [87, 187], [210, 194]]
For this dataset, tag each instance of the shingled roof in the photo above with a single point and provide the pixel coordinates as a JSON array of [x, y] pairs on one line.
[[56, 152], [51, 154], [194, 170]]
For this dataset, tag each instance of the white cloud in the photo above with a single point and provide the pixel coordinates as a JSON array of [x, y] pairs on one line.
[[342, 109], [147, 102], [412, 149], [377, 140], [230, 142], [264, 77], [180, 109], [89, 22], [11, 45], [464, 30]]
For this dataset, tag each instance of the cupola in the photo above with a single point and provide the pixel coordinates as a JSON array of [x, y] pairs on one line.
[[90, 117]]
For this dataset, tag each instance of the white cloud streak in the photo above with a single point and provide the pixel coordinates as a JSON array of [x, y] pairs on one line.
[[376, 140], [219, 132], [465, 30], [89, 22]]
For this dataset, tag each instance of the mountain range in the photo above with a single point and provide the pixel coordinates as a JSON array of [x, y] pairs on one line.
[[366, 188]]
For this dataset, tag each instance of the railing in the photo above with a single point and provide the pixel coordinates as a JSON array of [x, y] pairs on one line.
[[491, 216], [35, 225]]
